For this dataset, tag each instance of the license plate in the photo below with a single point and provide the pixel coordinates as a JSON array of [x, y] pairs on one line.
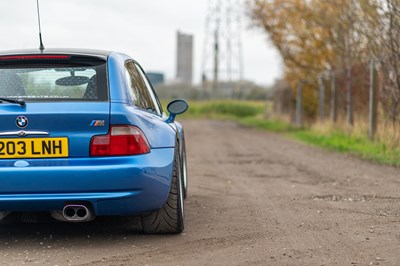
[[33, 148]]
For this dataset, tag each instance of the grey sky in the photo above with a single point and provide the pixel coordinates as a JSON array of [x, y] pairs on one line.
[[146, 30]]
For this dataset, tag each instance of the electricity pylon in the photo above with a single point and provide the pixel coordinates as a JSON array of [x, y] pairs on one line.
[[222, 50]]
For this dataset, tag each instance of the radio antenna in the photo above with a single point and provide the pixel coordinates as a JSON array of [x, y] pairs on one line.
[[41, 47]]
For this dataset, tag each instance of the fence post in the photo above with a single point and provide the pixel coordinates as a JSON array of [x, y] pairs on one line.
[[299, 104], [349, 98], [321, 97], [372, 121], [333, 98]]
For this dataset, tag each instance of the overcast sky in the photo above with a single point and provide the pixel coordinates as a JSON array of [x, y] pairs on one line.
[[145, 30]]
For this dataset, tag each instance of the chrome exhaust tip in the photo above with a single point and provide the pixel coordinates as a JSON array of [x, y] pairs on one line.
[[74, 213]]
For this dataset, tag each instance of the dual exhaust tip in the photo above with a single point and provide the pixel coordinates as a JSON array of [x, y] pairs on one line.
[[74, 213], [70, 213]]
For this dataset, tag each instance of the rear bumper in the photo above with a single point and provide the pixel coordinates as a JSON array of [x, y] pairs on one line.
[[112, 186]]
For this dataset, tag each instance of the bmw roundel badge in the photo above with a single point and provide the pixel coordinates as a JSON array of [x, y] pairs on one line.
[[21, 121]]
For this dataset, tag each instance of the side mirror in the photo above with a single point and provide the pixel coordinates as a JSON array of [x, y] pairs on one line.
[[176, 107]]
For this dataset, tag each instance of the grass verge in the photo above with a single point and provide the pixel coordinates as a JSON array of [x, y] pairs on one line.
[[347, 143], [225, 109], [252, 114]]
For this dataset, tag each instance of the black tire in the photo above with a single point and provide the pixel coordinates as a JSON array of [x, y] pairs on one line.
[[170, 219], [184, 171]]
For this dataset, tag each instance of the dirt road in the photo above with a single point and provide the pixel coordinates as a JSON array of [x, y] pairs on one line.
[[255, 199]]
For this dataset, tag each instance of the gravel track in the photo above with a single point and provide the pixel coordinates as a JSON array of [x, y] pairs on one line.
[[255, 198]]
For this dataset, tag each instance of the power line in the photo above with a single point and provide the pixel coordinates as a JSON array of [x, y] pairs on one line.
[[222, 51]]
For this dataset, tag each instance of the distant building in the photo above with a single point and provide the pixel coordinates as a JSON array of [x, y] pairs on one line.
[[184, 58], [156, 78]]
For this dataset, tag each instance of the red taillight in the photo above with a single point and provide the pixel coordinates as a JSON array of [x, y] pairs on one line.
[[33, 57], [121, 140]]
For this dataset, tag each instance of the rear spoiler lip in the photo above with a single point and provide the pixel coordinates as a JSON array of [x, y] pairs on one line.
[[100, 54]]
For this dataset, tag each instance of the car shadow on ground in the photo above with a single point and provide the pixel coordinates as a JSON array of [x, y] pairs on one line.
[[23, 227], [38, 231]]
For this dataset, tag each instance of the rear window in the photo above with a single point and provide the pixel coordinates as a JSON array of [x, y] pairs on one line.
[[50, 80]]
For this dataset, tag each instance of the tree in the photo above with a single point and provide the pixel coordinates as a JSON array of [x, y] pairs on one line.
[[314, 37]]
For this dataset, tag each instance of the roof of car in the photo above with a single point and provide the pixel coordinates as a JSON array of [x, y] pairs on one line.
[[68, 51]]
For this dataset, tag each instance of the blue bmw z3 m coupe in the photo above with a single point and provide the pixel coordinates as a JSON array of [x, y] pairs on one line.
[[83, 134]]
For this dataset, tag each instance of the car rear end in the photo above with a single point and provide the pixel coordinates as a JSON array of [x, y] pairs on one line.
[[58, 150]]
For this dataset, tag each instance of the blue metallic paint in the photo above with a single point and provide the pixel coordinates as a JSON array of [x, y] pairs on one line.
[[66, 119], [113, 185], [143, 180], [159, 134], [116, 77]]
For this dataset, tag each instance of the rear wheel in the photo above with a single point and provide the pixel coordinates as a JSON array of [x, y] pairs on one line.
[[184, 171], [170, 218]]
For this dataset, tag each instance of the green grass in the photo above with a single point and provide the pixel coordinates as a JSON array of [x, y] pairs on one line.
[[252, 114], [276, 126], [224, 109], [335, 141], [346, 143]]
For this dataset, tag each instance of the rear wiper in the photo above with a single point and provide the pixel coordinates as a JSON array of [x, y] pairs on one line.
[[17, 101]]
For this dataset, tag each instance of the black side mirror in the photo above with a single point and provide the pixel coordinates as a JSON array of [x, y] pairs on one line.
[[176, 107]]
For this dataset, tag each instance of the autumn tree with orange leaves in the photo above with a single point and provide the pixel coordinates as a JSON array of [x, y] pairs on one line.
[[319, 36]]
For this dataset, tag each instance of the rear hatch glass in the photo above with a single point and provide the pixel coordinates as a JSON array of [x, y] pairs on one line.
[[53, 78]]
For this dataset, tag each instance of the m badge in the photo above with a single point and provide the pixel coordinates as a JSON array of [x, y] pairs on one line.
[[97, 123]]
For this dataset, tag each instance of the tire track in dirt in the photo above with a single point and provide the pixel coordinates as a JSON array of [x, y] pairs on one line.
[[255, 198]]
